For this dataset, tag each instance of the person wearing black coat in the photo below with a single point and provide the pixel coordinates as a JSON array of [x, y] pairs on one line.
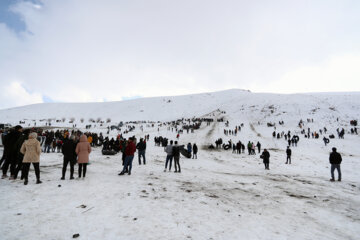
[[195, 150], [288, 155], [266, 159], [335, 161], [258, 146], [68, 150], [48, 141], [10, 149], [176, 155], [19, 155], [141, 146]]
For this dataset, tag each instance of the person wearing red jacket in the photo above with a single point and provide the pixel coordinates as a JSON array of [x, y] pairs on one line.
[[130, 150]]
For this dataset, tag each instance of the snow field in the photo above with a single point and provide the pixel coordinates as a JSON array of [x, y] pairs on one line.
[[218, 196]]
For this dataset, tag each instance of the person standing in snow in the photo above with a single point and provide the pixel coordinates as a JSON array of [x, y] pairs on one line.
[[141, 146], [266, 159], [195, 150], [189, 148], [10, 151], [68, 150], [176, 154], [288, 155], [19, 155], [169, 155], [326, 140], [335, 161], [83, 149], [249, 145], [253, 148], [31, 150], [258, 146], [129, 152]]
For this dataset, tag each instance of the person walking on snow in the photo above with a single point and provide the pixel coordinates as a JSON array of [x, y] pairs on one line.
[[335, 161], [266, 159], [288, 155], [258, 146]]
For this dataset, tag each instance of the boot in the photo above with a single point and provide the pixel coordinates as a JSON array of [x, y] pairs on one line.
[[25, 182], [38, 181]]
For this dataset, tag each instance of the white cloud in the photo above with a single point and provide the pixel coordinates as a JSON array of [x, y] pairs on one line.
[[14, 94], [89, 50]]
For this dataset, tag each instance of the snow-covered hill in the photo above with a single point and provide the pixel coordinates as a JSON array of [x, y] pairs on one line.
[[238, 104], [220, 195]]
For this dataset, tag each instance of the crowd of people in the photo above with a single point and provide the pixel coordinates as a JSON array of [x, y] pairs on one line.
[[24, 147]]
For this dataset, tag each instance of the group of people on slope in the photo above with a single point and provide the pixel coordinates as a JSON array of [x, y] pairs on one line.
[[73, 152], [335, 160], [22, 148], [128, 154], [192, 150], [173, 152]]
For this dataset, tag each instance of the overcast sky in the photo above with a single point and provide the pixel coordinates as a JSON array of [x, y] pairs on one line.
[[105, 50]]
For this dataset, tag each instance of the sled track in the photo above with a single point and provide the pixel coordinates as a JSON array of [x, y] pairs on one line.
[[254, 130]]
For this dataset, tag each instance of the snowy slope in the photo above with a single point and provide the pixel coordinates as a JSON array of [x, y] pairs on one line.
[[237, 103], [220, 195]]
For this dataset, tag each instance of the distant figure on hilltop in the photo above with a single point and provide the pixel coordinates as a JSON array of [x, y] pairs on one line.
[[335, 161]]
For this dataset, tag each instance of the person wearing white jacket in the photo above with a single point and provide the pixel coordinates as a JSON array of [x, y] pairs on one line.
[[31, 150]]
